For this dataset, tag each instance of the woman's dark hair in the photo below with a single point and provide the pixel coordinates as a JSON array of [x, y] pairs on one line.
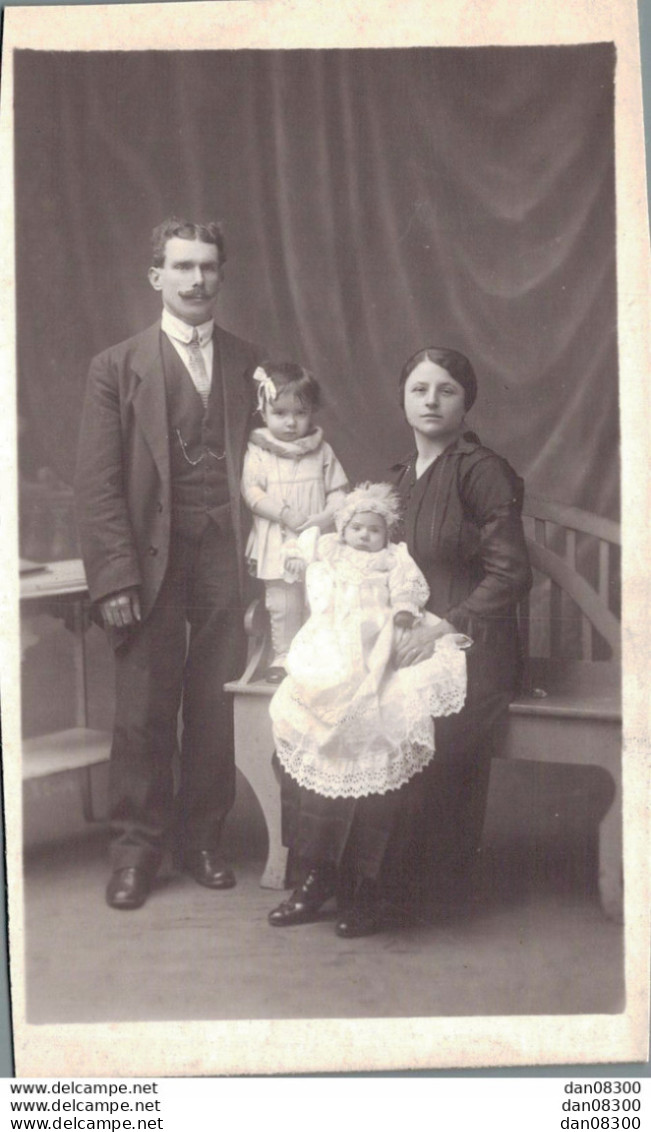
[[210, 233], [456, 364], [289, 377]]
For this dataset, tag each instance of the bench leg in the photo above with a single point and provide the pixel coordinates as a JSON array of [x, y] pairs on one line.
[[611, 888], [87, 795], [583, 742], [253, 751]]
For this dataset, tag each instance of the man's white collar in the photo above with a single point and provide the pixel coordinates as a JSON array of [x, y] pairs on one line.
[[182, 331]]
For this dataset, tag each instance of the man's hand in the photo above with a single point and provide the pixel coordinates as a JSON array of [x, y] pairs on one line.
[[419, 643], [121, 609]]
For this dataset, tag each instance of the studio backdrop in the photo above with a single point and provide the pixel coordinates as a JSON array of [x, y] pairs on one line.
[[374, 201]]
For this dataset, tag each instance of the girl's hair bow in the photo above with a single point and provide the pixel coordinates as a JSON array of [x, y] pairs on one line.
[[266, 389]]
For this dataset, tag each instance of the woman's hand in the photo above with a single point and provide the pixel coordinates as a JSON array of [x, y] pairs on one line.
[[419, 643], [323, 521]]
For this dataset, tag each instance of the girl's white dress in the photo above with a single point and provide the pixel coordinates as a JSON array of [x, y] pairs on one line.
[[304, 473], [346, 722]]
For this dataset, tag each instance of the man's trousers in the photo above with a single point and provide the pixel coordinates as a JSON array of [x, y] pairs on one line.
[[190, 645]]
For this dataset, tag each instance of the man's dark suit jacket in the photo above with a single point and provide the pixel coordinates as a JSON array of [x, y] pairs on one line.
[[123, 487]]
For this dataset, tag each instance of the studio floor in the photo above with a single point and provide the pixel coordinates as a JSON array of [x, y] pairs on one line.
[[533, 943]]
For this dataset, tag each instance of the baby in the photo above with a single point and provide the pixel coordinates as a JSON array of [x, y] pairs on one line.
[[346, 721]]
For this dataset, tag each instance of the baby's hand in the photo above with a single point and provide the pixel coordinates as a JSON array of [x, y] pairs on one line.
[[403, 619], [399, 634], [294, 568], [403, 622]]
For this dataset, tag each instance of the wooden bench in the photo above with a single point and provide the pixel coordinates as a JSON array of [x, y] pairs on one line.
[[569, 710]]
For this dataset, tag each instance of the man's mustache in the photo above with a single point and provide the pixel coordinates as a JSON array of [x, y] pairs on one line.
[[196, 293]]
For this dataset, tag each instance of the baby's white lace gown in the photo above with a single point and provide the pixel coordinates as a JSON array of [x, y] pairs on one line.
[[346, 722]]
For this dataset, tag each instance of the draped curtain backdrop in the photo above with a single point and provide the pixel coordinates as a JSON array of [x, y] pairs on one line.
[[374, 201]]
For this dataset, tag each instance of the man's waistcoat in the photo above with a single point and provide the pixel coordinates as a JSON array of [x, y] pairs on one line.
[[197, 454]]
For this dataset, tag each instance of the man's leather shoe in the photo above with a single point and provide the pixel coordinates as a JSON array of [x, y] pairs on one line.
[[208, 869], [305, 902], [128, 888]]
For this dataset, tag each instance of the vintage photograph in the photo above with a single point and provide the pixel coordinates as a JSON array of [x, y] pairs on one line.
[[319, 506]]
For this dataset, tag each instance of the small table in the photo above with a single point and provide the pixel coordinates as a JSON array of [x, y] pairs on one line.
[[60, 590]]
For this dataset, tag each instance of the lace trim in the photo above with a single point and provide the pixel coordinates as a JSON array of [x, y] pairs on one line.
[[357, 780], [412, 593], [372, 746]]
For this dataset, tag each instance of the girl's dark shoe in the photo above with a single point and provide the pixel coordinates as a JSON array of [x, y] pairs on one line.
[[305, 902], [207, 868], [276, 674]]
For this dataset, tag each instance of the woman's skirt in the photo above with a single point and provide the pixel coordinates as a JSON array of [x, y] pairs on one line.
[[422, 838]]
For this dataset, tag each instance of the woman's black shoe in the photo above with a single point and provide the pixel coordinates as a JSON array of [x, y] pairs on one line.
[[305, 902], [365, 915], [360, 920]]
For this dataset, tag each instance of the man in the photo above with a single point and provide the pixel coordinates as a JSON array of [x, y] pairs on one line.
[[163, 435]]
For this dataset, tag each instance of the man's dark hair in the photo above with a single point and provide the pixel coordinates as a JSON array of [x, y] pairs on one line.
[[210, 233]]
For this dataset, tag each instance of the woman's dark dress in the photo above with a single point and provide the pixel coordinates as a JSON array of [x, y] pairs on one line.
[[462, 525]]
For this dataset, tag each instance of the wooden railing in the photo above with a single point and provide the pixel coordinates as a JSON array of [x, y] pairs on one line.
[[566, 545]]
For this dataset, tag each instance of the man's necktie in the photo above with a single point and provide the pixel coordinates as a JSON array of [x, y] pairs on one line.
[[197, 368]]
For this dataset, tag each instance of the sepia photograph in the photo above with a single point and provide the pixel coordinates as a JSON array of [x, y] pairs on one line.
[[319, 575]]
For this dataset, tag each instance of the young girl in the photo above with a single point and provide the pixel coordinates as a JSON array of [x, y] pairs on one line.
[[291, 480], [351, 730]]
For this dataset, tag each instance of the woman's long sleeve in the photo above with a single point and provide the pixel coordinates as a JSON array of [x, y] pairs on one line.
[[492, 496]]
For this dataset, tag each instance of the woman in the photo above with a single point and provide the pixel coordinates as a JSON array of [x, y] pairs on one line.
[[462, 524]]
